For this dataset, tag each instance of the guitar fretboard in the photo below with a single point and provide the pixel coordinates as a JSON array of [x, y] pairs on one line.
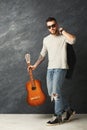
[[32, 78]]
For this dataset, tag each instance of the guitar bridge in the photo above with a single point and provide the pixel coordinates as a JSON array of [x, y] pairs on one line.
[[35, 98]]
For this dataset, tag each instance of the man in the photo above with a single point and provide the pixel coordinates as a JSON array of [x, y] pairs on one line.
[[55, 45]]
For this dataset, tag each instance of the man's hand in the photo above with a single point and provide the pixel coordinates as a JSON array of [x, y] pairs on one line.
[[60, 30], [33, 67]]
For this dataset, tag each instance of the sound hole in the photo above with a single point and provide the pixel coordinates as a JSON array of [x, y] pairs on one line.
[[33, 88]]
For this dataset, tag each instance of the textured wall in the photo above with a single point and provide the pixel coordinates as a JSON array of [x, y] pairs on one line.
[[22, 28]]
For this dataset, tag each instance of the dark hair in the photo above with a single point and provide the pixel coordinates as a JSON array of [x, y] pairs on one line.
[[51, 19]]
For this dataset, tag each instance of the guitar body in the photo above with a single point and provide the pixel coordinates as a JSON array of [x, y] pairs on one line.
[[35, 95]]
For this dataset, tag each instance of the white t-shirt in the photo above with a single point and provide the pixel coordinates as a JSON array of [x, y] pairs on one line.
[[56, 47]]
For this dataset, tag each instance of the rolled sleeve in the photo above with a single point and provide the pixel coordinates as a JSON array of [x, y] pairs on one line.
[[72, 41], [43, 51]]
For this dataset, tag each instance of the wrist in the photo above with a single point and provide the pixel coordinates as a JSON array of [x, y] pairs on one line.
[[35, 65]]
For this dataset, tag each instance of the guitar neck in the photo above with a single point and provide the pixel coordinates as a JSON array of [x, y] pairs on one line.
[[31, 77], [27, 57]]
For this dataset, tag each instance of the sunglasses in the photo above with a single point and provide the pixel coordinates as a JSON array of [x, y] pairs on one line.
[[51, 26]]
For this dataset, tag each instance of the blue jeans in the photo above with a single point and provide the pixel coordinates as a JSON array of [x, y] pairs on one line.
[[55, 79]]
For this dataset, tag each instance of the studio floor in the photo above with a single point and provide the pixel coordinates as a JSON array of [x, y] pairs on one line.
[[38, 122]]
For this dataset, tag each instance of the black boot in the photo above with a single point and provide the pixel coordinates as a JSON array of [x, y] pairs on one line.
[[69, 114], [55, 120]]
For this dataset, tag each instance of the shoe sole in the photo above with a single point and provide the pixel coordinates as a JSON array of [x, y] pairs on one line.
[[53, 124]]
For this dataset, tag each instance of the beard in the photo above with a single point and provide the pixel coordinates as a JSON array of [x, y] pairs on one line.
[[54, 31]]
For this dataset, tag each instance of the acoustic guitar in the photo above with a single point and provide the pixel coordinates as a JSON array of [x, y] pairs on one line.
[[35, 94]]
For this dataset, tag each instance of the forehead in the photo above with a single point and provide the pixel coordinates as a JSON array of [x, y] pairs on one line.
[[50, 22]]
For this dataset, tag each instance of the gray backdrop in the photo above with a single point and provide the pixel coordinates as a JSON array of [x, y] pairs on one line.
[[22, 28]]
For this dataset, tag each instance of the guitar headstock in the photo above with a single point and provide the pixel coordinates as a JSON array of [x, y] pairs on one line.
[[27, 58]]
